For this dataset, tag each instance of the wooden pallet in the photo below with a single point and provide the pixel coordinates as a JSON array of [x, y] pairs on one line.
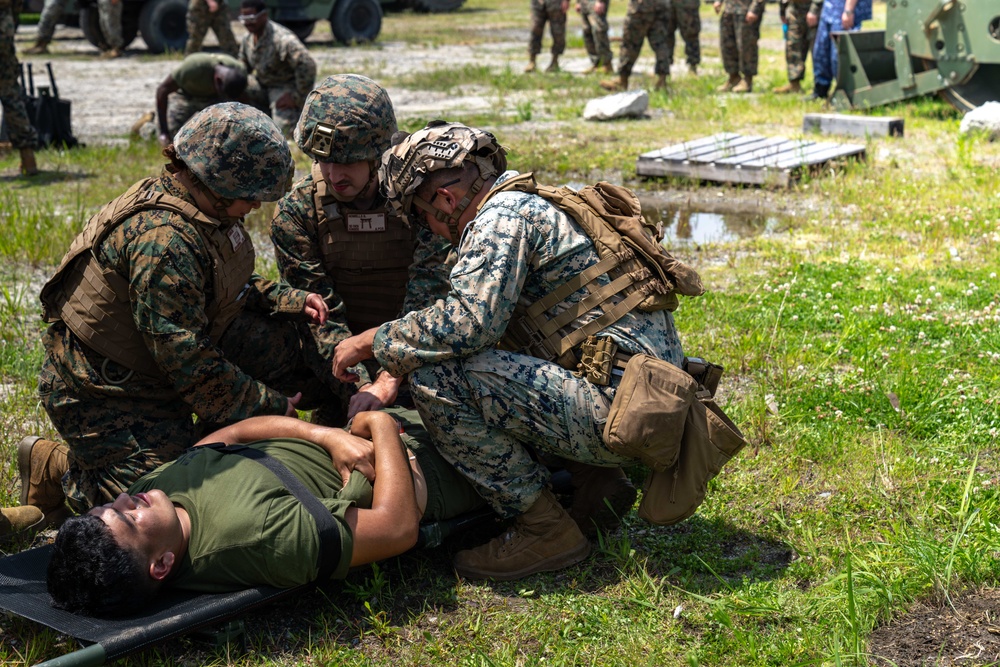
[[735, 158]]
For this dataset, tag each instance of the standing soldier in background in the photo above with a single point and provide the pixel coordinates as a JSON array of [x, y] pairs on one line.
[[22, 135], [799, 38], [205, 14], [595, 33], [835, 15], [683, 16], [644, 19], [334, 235], [280, 68], [110, 14], [51, 13], [553, 11], [739, 30]]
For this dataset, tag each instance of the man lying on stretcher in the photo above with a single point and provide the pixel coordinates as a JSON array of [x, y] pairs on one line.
[[218, 522]]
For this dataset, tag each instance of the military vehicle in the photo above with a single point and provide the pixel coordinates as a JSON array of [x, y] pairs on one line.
[[948, 47]]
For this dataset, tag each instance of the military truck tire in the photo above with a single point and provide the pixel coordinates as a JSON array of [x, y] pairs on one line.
[[356, 20], [428, 6], [163, 24], [302, 29], [90, 24]]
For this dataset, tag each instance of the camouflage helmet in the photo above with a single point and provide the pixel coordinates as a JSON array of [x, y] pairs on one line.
[[346, 118], [237, 152], [440, 145]]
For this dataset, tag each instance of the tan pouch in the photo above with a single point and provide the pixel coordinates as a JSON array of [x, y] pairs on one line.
[[709, 440], [650, 410]]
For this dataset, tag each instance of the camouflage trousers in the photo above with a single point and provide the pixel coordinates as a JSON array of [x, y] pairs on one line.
[[200, 19], [110, 14], [799, 40], [180, 108], [51, 12], [22, 134], [486, 413], [120, 426], [738, 43], [645, 22], [683, 17], [595, 32], [265, 98], [551, 11]]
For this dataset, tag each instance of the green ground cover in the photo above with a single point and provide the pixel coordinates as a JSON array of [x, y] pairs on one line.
[[861, 347]]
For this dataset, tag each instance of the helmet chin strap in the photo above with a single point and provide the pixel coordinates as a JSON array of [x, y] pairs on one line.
[[452, 220]]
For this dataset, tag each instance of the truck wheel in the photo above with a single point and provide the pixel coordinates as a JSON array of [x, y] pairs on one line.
[[356, 20], [90, 24], [302, 29], [163, 24], [426, 6]]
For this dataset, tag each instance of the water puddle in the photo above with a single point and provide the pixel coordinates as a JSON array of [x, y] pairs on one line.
[[685, 224]]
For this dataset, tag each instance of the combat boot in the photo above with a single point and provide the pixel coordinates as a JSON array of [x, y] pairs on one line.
[[531, 65], [661, 82], [693, 70], [608, 69], [591, 69], [542, 539], [137, 126], [615, 85], [41, 46], [554, 65], [28, 165], [18, 520], [820, 92], [729, 85], [42, 464], [790, 87], [601, 497], [744, 86], [110, 54]]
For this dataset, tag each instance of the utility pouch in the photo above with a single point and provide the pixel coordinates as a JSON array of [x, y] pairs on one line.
[[704, 372], [649, 412], [597, 356]]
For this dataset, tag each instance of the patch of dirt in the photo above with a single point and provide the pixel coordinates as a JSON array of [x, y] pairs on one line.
[[968, 634]]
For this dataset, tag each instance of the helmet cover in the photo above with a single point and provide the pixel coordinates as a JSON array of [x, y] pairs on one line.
[[347, 118]]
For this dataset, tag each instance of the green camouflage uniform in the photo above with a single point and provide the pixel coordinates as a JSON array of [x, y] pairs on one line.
[[645, 19], [800, 37], [110, 14], [278, 63], [737, 38], [684, 17], [484, 407], [200, 19], [51, 13], [22, 134], [195, 77], [595, 32], [551, 11]]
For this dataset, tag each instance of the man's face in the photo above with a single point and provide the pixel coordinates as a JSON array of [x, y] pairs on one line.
[[253, 20], [348, 181], [145, 522]]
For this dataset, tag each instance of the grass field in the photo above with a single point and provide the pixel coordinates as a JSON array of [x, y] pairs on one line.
[[860, 343]]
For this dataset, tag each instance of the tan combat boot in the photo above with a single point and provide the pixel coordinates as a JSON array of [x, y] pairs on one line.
[[28, 165], [542, 539], [40, 47], [110, 54], [591, 69], [728, 85], [17, 520], [531, 65], [608, 69], [147, 117], [615, 85], [744, 86], [601, 497], [661, 82], [790, 87], [42, 464], [693, 70], [554, 65]]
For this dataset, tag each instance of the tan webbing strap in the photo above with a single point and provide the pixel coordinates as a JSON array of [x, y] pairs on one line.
[[587, 303], [574, 284], [607, 319]]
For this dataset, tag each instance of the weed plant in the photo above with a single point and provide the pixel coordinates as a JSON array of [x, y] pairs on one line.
[[860, 344]]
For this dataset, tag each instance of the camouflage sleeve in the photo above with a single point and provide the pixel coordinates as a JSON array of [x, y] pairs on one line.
[[169, 272], [295, 53], [429, 272], [488, 276], [816, 7], [757, 7], [244, 54], [267, 296]]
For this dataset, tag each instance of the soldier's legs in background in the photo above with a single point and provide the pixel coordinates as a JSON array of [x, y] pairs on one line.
[[657, 37], [538, 18], [747, 36], [221, 25], [588, 37], [601, 41], [671, 28], [727, 43], [22, 134], [633, 32], [689, 23], [180, 108], [483, 412], [111, 23], [198, 19], [51, 13], [557, 27], [824, 55]]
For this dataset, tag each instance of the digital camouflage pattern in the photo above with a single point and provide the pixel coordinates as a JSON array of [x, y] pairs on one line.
[[483, 406], [683, 17], [237, 152], [737, 38], [645, 19], [22, 134], [278, 63], [195, 77], [118, 424], [51, 12], [800, 37], [553, 12], [595, 32], [355, 118], [110, 16], [200, 18]]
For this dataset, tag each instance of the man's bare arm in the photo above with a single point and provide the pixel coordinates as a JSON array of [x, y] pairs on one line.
[[162, 94]]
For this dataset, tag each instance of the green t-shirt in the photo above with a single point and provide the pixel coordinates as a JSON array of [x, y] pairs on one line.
[[196, 74]]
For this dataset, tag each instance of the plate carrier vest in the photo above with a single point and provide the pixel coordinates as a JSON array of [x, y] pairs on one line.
[[94, 301]]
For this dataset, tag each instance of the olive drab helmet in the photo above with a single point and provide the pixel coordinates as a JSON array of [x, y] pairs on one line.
[[237, 152], [346, 118], [440, 145]]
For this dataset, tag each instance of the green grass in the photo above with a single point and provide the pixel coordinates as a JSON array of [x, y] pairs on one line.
[[860, 344]]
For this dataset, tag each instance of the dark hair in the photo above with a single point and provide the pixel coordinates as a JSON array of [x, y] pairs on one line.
[[91, 573], [256, 5], [234, 81], [464, 174]]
